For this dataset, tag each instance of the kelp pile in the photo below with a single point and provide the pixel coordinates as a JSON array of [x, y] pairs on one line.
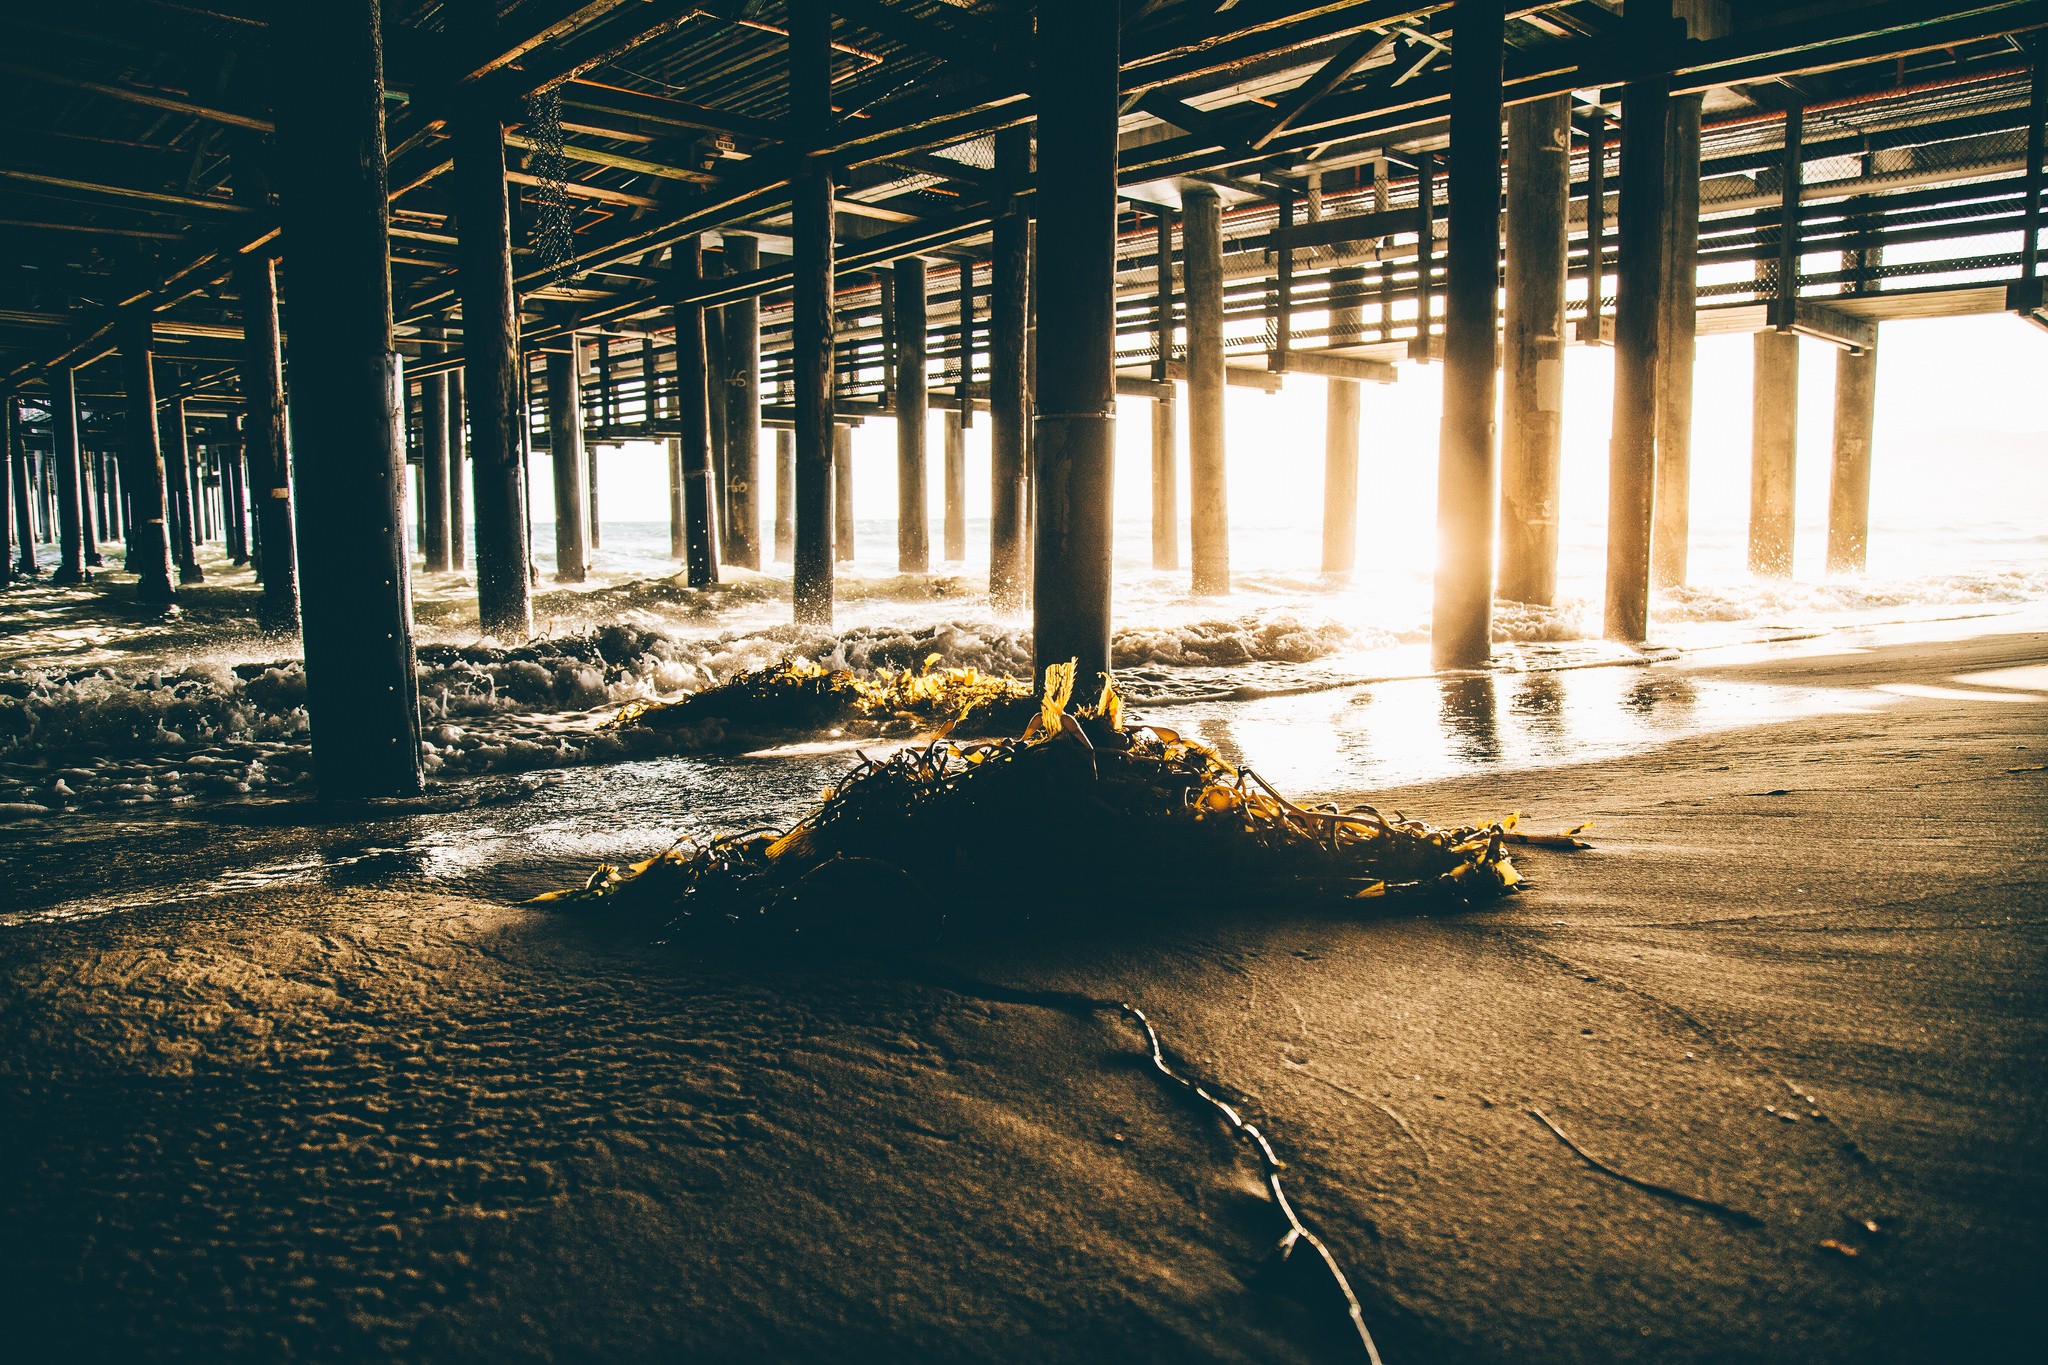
[[1085, 800], [802, 696]]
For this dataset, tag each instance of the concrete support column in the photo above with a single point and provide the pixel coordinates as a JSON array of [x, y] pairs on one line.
[[785, 494], [1008, 394], [71, 535], [1673, 520], [1074, 441], [434, 472], [693, 411], [348, 392], [913, 502], [1774, 452], [492, 374], [956, 480], [842, 492], [565, 456], [810, 73], [743, 410], [1166, 479], [1639, 307], [149, 539], [1533, 336], [1468, 469], [1340, 432], [1208, 482], [1849, 479]]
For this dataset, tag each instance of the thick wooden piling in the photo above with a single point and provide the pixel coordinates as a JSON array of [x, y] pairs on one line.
[[1423, 347], [842, 493], [693, 416], [347, 393], [266, 437], [1533, 338], [1074, 437], [743, 410], [1461, 621], [678, 517], [565, 458], [1340, 432], [1774, 452], [1639, 307], [810, 77], [1849, 477], [913, 404], [1208, 480], [149, 535], [785, 493], [434, 472], [71, 535], [601, 351], [458, 474], [718, 388], [1672, 531], [956, 481], [1009, 277], [492, 380]]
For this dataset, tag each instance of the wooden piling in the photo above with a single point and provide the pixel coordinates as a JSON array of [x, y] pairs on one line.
[[1849, 477], [1208, 480], [1074, 437], [693, 415], [785, 493], [743, 410], [1340, 432], [956, 482], [1639, 307], [434, 472], [183, 505], [234, 492], [149, 536], [1468, 473], [71, 535], [1009, 278], [842, 493], [458, 474], [347, 392], [913, 503], [718, 388], [1165, 417], [1533, 338], [492, 379], [1774, 452], [565, 457], [1676, 344], [810, 37], [11, 538], [266, 437], [1423, 347]]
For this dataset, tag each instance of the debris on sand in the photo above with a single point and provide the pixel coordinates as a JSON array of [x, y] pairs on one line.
[[1085, 798], [799, 695]]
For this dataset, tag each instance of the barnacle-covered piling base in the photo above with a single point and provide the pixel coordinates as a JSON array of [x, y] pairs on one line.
[[1086, 809]]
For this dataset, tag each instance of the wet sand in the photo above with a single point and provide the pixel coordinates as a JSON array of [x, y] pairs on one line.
[[1800, 978]]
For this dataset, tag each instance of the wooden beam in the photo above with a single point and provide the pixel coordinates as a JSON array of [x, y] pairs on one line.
[[583, 191], [1816, 319], [937, 40], [552, 19], [131, 95], [616, 161], [182, 201], [1340, 367], [1354, 54]]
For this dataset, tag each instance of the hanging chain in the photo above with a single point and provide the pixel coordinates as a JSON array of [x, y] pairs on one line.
[[554, 225]]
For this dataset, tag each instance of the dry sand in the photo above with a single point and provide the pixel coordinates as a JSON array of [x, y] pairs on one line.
[[1801, 976]]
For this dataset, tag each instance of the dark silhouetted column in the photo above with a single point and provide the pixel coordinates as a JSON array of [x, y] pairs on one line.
[[1208, 480], [693, 414], [71, 535], [1008, 396], [149, 536], [348, 399], [1461, 622], [565, 457], [810, 37], [913, 402], [1677, 325], [842, 492], [785, 493], [743, 410], [956, 481]]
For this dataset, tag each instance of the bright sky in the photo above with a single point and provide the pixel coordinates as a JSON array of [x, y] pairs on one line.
[[1945, 387]]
